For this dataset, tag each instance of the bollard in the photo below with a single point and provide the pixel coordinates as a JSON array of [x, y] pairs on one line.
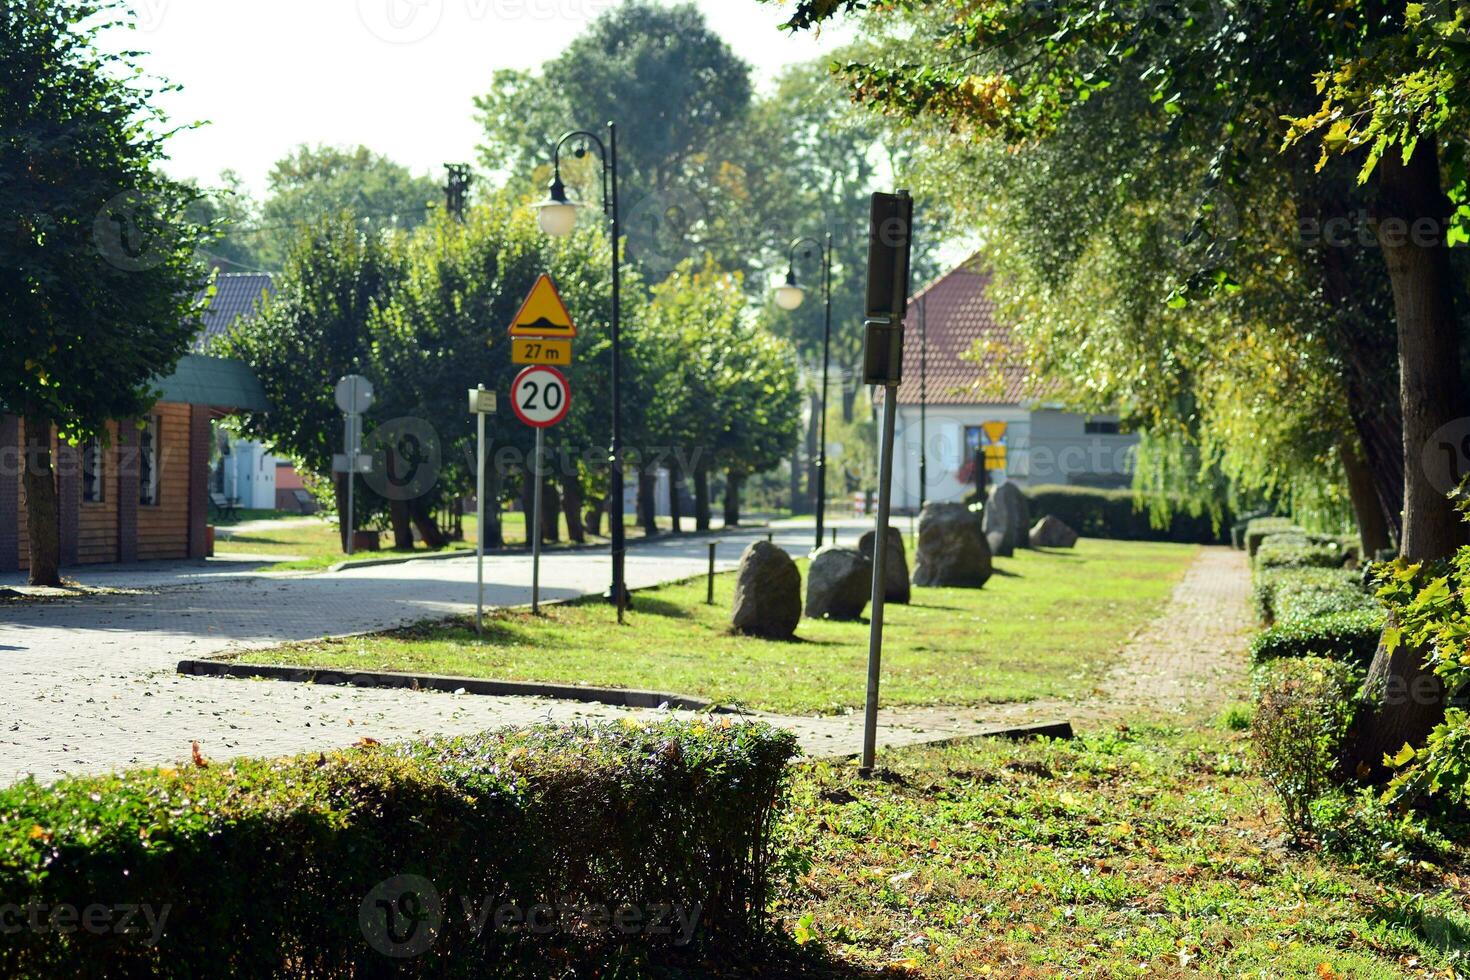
[[771, 537], [834, 537], [709, 597]]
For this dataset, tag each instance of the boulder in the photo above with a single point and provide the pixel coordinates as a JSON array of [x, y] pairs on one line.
[[1009, 513], [895, 565], [838, 583], [952, 548], [1052, 532], [767, 593], [999, 544]]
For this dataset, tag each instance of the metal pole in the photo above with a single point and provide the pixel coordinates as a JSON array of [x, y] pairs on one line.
[[826, 357], [536, 526], [880, 555], [615, 454], [923, 400], [480, 526], [709, 598], [351, 440]]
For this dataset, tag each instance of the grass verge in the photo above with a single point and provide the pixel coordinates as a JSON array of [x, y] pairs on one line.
[[1048, 624]]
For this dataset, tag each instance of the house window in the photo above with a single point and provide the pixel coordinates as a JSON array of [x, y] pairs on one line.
[[92, 477], [148, 463], [1101, 428]]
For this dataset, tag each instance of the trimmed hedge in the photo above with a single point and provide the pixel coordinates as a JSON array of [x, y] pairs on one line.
[[1291, 550], [1348, 637], [1096, 513], [1258, 529], [295, 867], [1284, 595]]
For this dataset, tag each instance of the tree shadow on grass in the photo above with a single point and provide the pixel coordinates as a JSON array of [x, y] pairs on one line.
[[783, 959]]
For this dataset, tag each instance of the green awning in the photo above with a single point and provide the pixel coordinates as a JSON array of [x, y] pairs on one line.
[[214, 381]]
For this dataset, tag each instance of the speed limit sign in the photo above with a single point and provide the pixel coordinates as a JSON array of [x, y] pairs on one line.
[[540, 396]]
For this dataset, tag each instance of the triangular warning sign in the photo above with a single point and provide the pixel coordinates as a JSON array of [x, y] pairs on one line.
[[995, 432], [543, 314]]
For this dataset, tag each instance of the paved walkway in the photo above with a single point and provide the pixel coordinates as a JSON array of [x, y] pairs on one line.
[[89, 684]]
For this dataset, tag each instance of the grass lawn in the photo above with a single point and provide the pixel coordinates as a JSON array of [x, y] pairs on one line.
[[309, 545], [1143, 853], [1048, 624]]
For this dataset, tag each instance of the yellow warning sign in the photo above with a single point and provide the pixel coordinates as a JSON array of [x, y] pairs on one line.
[[995, 457], [543, 314], [995, 432]]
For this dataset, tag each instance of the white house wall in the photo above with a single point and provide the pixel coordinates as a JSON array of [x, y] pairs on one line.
[[1043, 446]]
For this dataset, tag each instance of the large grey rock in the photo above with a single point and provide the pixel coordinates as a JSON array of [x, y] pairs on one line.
[[895, 565], [767, 593], [999, 544], [1052, 532], [952, 548], [1008, 513], [838, 583]]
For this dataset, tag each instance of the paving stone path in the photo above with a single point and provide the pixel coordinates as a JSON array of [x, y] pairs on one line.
[[88, 684]]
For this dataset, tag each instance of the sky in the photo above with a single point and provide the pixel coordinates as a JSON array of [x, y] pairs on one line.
[[398, 76]]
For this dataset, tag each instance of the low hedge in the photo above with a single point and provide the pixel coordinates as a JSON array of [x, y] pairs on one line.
[[1260, 528], [541, 851], [1293, 550], [1346, 637], [1285, 595], [1097, 513]]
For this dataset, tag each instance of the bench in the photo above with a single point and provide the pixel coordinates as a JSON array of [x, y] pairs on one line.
[[227, 507]]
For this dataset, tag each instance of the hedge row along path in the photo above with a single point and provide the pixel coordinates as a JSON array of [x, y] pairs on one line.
[[90, 683]]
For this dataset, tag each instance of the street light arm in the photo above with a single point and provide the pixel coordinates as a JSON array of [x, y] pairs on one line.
[[796, 246], [586, 136]]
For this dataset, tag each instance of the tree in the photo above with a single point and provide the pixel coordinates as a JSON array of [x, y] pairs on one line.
[[230, 215], [98, 275], [311, 331], [312, 182], [1223, 75]]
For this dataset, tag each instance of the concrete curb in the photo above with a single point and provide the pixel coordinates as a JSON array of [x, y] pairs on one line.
[[615, 696], [343, 566]]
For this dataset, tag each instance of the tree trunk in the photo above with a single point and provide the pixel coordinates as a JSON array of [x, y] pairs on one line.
[[43, 526], [648, 502], [701, 499], [813, 437], [676, 506], [595, 514], [423, 519], [1372, 526], [732, 499], [1402, 698], [571, 508], [401, 523]]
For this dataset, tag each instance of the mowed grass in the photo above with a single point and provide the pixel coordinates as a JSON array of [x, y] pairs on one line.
[[1150, 852], [1048, 624], [312, 545]]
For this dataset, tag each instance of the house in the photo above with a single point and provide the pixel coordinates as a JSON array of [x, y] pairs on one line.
[[142, 492], [968, 395]]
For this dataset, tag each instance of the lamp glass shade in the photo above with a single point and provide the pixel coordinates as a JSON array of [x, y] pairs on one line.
[[789, 296], [556, 218]]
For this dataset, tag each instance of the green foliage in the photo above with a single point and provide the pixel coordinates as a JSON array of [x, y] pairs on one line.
[[1349, 638], [98, 274], [1303, 710], [1118, 514], [266, 867], [1360, 828], [1260, 528], [1288, 595], [1301, 551]]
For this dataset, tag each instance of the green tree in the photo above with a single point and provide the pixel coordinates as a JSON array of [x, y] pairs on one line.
[[98, 274], [311, 331], [312, 182], [229, 213]]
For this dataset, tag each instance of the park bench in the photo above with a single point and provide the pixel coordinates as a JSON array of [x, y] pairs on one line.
[[227, 507]]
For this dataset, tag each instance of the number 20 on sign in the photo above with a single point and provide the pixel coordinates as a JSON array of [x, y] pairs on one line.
[[541, 396]]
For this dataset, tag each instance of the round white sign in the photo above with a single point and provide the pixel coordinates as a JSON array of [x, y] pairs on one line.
[[540, 396]]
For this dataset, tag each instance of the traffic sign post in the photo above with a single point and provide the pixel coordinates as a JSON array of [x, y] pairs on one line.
[[540, 397], [354, 395], [482, 403]]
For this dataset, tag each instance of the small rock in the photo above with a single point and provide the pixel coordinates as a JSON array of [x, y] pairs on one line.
[[767, 593], [839, 582], [1052, 532], [1008, 512], [895, 565], [952, 548]]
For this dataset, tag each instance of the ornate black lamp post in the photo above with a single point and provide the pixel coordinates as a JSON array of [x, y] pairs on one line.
[[557, 216], [789, 296]]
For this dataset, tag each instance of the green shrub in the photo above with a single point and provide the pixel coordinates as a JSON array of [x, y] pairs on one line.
[[1284, 595], [1303, 710], [1258, 529], [1365, 831], [1097, 513], [1350, 638], [1292, 550], [292, 867]]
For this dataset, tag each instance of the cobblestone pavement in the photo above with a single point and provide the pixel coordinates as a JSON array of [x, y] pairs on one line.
[[89, 684]]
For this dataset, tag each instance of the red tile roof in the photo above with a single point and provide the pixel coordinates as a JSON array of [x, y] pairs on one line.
[[961, 321]]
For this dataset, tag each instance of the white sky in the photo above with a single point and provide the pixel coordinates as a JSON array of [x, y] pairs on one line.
[[395, 75]]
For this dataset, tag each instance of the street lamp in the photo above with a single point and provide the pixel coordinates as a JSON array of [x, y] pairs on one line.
[[788, 297], [557, 216]]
